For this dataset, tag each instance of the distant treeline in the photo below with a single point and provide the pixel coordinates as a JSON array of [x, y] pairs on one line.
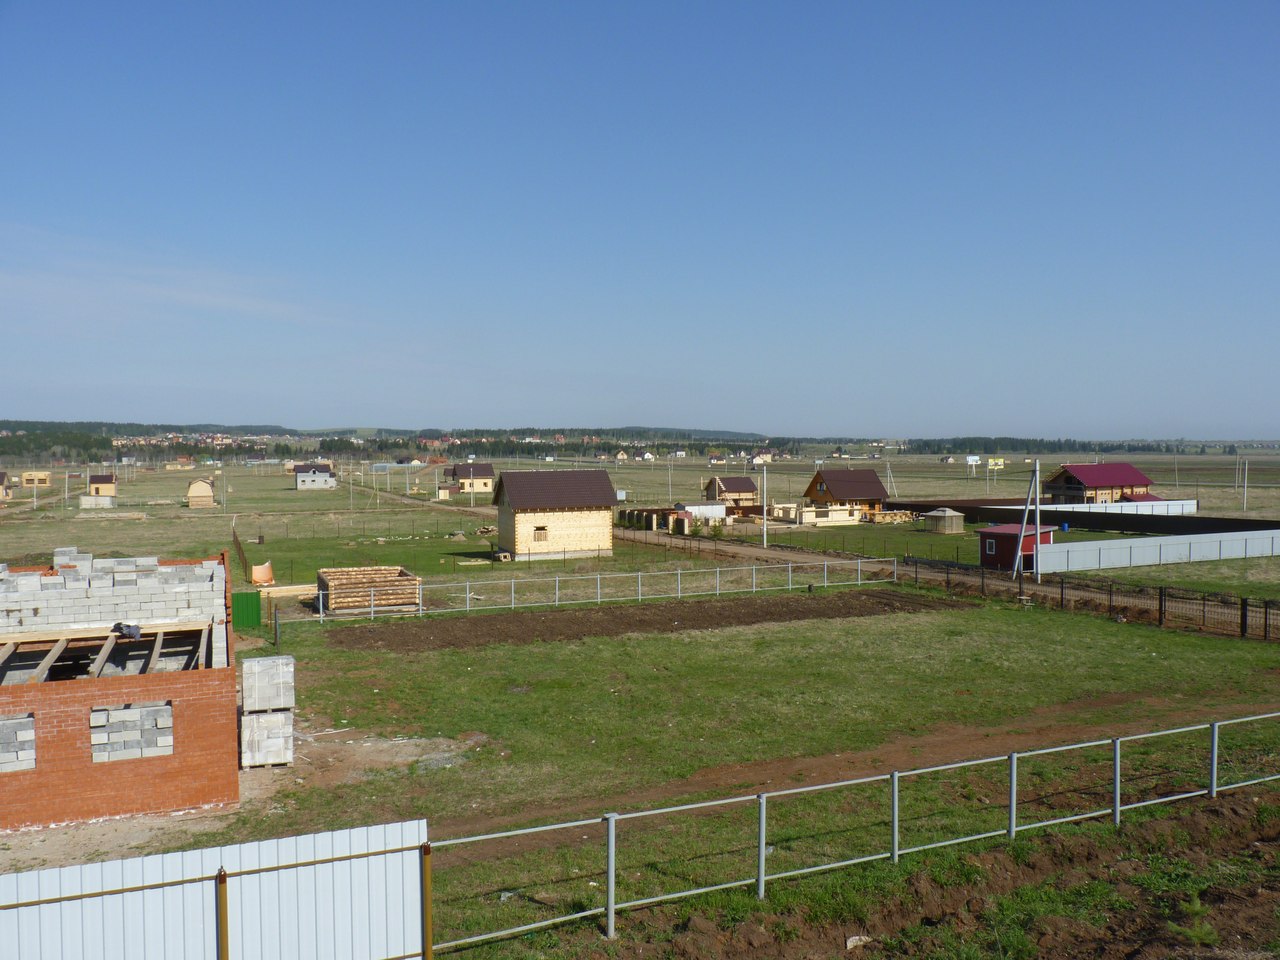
[[995, 445], [69, 444], [109, 429]]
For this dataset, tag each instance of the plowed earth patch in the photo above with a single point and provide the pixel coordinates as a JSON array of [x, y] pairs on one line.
[[614, 620], [1240, 919]]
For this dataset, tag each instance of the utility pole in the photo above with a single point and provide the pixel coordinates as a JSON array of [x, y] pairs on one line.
[[764, 500]]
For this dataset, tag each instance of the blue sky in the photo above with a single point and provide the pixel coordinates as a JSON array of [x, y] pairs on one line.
[[840, 219]]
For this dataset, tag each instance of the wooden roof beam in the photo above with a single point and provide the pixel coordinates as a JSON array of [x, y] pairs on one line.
[[155, 653], [42, 671], [100, 660]]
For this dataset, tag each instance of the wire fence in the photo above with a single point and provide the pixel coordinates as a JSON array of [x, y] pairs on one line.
[[530, 592], [1218, 613]]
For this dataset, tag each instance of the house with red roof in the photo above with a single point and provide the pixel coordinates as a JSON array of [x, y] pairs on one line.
[[1097, 483]]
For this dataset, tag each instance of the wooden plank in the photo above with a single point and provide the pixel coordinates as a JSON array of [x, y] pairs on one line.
[[7, 651], [93, 633], [100, 660], [204, 644], [155, 653], [43, 670]]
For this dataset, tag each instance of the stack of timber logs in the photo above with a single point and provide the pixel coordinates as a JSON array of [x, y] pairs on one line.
[[356, 588]]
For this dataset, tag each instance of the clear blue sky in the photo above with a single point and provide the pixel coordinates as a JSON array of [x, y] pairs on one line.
[[892, 219]]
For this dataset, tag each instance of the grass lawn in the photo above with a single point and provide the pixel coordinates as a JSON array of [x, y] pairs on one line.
[[568, 721], [604, 718]]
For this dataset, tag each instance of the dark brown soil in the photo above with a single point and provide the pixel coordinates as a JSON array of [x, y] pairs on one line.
[[1242, 918], [574, 623]]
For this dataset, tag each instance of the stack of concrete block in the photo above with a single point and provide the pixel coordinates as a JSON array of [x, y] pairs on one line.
[[266, 723], [131, 731], [90, 593], [17, 743]]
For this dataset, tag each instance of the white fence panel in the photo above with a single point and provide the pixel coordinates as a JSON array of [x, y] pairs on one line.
[[359, 909], [1153, 551]]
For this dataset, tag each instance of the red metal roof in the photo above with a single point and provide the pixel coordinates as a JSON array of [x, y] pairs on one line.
[[1011, 529], [555, 489], [1107, 474]]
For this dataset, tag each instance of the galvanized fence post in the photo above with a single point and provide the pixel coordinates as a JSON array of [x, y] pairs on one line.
[[639, 590], [513, 593], [824, 573], [1115, 781], [419, 599], [717, 581], [761, 845], [678, 594], [371, 589], [788, 576], [611, 872], [428, 949], [859, 562], [557, 603], [753, 578], [220, 907], [597, 588], [320, 603], [1213, 759], [1013, 795], [893, 816], [467, 595]]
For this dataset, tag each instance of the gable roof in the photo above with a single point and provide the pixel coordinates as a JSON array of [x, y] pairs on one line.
[[470, 471], [1011, 529], [555, 489], [101, 478], [312, 468], [852, 484], [735, 484], [1105, 474]]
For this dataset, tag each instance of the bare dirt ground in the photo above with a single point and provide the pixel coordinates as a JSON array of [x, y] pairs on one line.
[[572, 623], [1241, 920]]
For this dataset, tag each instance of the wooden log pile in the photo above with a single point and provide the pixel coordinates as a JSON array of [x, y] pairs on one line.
[[354, 588]]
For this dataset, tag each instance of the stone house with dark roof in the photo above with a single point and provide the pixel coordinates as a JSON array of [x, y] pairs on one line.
[[555, 513]]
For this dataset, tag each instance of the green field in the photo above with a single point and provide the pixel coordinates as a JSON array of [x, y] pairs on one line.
[[581, 726]]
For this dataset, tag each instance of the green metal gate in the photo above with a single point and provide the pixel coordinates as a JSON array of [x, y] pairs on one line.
[[246, 609]]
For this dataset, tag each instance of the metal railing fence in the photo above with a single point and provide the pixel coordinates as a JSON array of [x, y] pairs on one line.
[[531, 592], [1224, 614], [1015, 821], [893, 788]]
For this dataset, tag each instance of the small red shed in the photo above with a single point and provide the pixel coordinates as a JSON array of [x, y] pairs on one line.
[[997, 545]]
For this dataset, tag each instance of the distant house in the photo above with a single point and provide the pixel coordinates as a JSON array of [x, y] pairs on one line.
[[200, 494], [314, 476], [102, 485], [1097, 483], [715, 460], [555, 513], [32, 479], [998, 545], [852, 488], [735, 491], [621, 456], [471, 477]]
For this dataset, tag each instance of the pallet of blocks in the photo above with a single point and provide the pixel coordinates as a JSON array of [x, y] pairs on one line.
[[360, 588]]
